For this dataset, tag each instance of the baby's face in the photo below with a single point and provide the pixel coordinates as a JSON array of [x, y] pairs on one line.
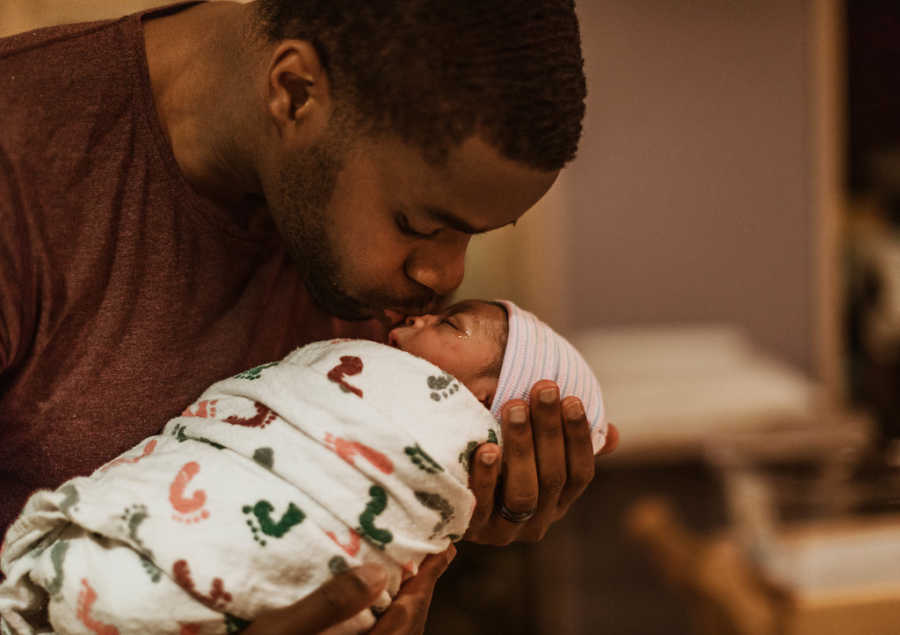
[[464, 340]]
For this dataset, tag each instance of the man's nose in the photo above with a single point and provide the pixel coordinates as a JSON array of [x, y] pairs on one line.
[[440, 267]]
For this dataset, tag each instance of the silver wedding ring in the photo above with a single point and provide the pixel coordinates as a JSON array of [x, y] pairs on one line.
[[515, 517]]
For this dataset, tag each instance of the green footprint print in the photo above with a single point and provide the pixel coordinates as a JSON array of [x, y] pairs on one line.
[[254, 372], [379, 537], [465, 457], [181, 436], [422, 460], [262, 511]]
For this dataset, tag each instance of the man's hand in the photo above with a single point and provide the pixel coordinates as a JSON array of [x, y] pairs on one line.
[[347, 594], [409, 610], [547, 462]]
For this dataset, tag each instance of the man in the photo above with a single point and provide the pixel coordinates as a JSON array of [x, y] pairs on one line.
[[187, 193]]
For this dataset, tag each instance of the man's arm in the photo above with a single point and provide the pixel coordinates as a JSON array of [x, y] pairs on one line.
[[546, 464]]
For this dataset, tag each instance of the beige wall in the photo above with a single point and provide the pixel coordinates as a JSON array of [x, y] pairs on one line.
[[691, 197]]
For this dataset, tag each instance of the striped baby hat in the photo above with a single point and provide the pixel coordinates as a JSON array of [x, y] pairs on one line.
[[534, 351]]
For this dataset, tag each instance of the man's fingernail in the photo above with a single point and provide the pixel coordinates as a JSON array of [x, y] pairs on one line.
[[372, 575], [547, 396], [517, 414], [574, 410], [488, 458]]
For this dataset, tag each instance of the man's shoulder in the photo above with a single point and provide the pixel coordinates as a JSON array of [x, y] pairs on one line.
[[58, 75], [36, 41]]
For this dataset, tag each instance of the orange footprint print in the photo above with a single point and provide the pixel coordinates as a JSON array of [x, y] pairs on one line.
[[347, 450], [352, 547], [86, 598], [204, 409], [147, 451], [189, 509]]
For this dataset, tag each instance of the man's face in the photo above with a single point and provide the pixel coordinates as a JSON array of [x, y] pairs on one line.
[[378, 228]]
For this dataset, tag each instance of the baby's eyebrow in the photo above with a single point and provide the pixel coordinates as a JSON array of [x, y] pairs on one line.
[[459, 307]]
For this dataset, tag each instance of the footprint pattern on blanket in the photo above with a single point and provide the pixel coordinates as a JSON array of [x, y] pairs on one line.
[[204, 409], [377, 505], [347, 450], [152, 570], [422, 460], [147, 451], [260, 520], [265, 457], [255, 372], [465, 457], [350, 365], [181, 436], [442, 386], [57, 558], [441, 505], [132, 516], [263, 417], [86, 599], [217, 597], [189, 509], [351, 548]]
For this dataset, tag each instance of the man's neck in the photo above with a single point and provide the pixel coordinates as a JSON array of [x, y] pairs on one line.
[[200, 82]]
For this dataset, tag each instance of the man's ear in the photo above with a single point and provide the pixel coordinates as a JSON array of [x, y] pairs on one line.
[[298, 92]]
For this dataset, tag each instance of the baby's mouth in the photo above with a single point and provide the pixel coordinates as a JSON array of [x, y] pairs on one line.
[[392, 339]]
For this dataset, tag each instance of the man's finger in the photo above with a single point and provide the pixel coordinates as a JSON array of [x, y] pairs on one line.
[[337, 600], [483, 481], [520, 486], [579, 455], [550, 451], [409, 610]]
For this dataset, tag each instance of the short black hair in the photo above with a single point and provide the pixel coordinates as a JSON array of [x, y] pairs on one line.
[[436, 72]]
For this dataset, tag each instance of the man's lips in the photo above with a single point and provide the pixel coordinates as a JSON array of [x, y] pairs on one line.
[[394, 317]]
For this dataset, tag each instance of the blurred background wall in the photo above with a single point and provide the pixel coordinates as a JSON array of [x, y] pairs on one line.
[[691, 199]]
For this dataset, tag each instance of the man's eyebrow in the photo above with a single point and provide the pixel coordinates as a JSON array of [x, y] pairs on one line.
[[453, 221]]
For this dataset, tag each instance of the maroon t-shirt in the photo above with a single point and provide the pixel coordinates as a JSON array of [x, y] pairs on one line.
[[123, 294]]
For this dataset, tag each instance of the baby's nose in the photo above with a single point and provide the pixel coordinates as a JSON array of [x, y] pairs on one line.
[[419, 321]]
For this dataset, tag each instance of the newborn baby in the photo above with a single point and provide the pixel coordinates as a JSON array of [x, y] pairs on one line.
[[344, 452], [498, 351]]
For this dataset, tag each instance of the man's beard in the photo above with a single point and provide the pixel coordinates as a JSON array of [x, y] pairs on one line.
[[304, 190]]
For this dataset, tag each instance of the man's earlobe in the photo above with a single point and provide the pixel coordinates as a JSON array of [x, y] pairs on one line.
[[297, 91]]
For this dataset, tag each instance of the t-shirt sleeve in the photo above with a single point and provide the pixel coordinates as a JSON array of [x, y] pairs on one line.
[[13, 255]]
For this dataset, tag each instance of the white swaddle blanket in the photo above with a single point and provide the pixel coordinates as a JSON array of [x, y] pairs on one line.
[[271, 482]]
